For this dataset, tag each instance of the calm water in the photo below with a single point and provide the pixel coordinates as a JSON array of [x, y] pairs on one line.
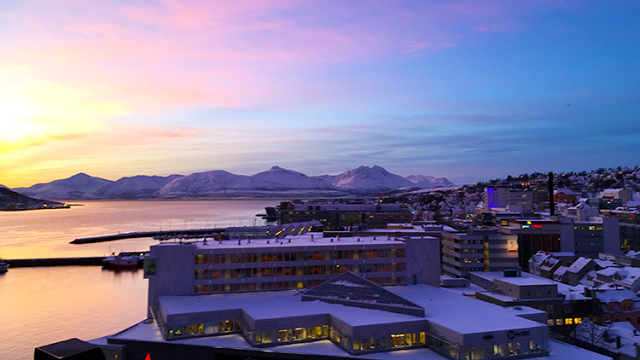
[[39, 306]]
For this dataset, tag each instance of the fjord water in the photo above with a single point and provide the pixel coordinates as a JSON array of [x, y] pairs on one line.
[[39, 306]]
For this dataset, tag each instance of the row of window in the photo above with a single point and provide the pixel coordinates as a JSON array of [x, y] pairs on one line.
[[284, 285], [490, 351], [590, 228], [364, 344], [389, 342], [566, 321], [298, 256], [288, 335], [204, 329], [468, 242], [588, 244], [298, 270]]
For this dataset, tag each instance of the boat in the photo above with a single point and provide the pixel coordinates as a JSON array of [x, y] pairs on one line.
[[124, 260], [3, 266]]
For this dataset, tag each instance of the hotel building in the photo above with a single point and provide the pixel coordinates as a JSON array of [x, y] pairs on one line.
[[297, 262]]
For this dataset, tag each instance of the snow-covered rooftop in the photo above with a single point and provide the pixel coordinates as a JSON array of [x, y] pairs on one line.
[[308, 239], [150, 332], [608, 271], [492, 275], [579, 264], [457, 313], [615, 295]]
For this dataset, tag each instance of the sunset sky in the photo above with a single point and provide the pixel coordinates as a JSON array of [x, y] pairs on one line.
[[469, 90]]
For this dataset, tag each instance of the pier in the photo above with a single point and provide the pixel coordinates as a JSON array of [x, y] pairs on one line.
[[76, 261], [169, 234]]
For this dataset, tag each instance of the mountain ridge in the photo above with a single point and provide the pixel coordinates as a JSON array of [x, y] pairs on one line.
[[274, 182]]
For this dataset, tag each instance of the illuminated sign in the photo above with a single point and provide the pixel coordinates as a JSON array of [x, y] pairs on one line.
[[525, 226], [512, 246], [537, 226]]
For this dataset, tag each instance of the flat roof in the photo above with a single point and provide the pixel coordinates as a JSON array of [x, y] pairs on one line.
[[296, 241], [278, 304], [525, 281], [145, 331], [461, 314], [491, 275]]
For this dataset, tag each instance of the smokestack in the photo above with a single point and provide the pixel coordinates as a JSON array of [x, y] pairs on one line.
[[552, 205]]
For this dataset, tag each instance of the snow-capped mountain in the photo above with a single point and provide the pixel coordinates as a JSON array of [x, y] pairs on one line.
[[206, 183], [274, 182], [78, 186], [366, 179], [278, 178], [223, 183], [134, 187], [426, 181]]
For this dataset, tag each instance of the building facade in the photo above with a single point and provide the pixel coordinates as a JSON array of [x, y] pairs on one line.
[[298, 262], [478, 250], [346, 216]]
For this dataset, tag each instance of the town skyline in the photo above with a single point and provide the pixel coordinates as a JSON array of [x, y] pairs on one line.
[[464, 90]]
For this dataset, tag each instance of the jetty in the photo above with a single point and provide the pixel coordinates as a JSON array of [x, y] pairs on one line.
[[159, 235], [75, 261]]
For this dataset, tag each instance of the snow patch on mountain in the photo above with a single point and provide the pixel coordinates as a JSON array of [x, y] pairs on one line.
[[134, 187], [426, 181], [369, 179], [78, 186], [219, 183], [278, 178], [203, 184]]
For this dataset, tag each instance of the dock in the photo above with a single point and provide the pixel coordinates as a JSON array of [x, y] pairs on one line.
[[169, 234], [76, 261]]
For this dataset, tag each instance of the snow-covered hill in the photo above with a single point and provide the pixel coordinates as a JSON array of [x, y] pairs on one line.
[[426, 181], [222, 183], [208, 183], [78, 186], [278, 178], [366, 179], [274, 182], [134, 187]]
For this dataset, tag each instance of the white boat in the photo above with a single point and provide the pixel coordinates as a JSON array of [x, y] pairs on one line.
[[124, 260]]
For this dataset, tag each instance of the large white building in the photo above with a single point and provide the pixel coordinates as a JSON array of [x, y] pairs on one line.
[[293, 299], [297, 262]]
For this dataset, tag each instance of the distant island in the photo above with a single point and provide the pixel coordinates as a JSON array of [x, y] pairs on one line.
[[273, 183], [12, 201]]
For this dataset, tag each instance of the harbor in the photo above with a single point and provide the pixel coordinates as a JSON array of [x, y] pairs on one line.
[[158, 235]]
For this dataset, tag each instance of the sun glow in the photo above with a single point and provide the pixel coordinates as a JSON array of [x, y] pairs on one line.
[[15, 123]]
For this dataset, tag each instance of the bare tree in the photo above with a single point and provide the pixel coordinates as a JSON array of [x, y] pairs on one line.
[[589, 332]]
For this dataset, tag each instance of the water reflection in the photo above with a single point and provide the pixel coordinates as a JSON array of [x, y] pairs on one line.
[[46, 305], [47, 233]]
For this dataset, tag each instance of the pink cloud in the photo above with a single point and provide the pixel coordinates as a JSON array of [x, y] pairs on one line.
[[175, 54]]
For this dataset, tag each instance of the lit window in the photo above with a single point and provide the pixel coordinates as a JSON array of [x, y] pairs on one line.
[[568, 321], [550, 321], [559, 321], [577, 320]]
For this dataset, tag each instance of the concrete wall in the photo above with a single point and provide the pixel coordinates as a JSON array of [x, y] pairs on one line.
[[423, 260], [174, 272]]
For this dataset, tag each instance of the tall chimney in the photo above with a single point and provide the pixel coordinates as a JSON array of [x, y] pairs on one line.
[[552, 205]]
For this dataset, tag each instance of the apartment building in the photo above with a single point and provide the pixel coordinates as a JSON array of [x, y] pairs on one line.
[[346, 216], [478, 250]]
